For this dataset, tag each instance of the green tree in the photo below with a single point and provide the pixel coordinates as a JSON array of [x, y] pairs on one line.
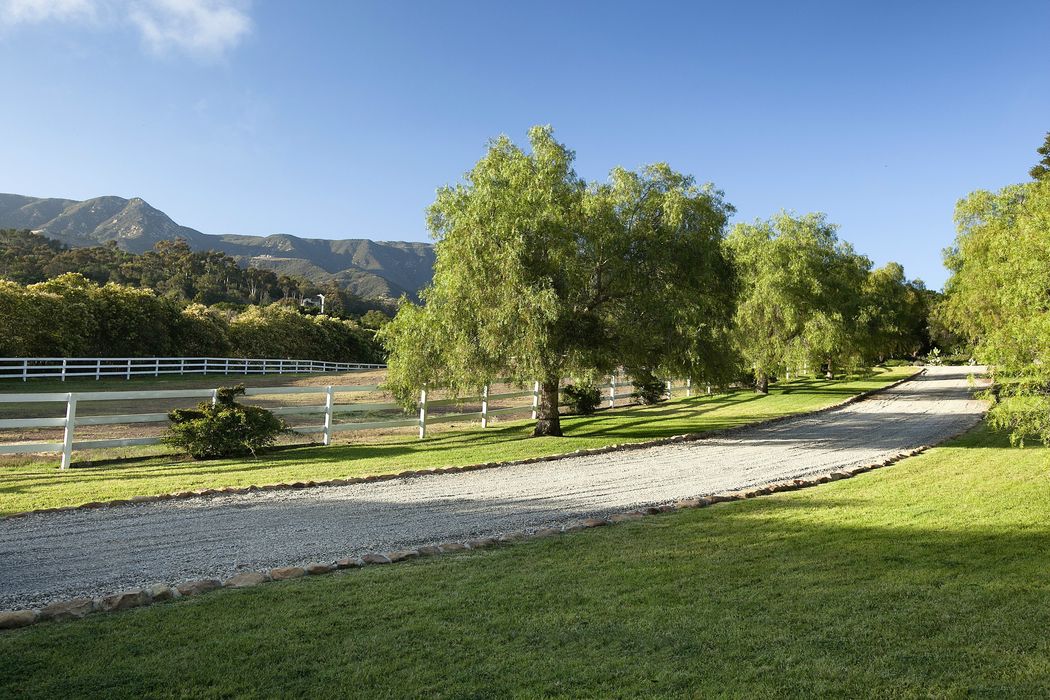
[[539, 275], [894, 314], [997, 298], [1041, 170], [800, 295]]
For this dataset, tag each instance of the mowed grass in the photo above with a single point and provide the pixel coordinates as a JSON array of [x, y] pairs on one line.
[[930, 578], [41, 485]]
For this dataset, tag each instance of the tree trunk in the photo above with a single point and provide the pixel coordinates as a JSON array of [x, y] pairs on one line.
[[761, 383], [548, 419]]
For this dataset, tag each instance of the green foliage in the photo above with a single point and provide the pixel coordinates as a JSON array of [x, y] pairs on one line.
[[894, 314], [997, 298], [648, 389], [223, 429], [582, 399], [1041, 170], [539, 275], [374, 319], [73, 316], [800, 295]]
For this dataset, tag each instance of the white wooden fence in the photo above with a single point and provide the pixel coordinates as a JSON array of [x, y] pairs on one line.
[[26, 368], [327, 411]]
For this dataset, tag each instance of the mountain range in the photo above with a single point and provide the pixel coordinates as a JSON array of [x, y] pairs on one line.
[[365, 267]]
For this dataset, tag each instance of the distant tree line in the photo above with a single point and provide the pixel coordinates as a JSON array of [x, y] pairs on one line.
[[541, 275], [73, 316]]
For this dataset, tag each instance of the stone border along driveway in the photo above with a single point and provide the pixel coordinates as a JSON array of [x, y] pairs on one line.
[[688, 437], [81, 607]]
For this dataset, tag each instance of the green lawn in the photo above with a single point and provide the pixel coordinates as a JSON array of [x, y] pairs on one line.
[[930, 578], [41, 485]]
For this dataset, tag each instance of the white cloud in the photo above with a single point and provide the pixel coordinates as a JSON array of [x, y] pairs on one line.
[[203, 28], [30, 11]]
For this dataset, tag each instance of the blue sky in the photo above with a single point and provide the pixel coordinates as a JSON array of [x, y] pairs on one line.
[[340, 119]]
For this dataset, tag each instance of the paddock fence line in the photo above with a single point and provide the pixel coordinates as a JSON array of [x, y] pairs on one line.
[[26, 368], [327, 410]]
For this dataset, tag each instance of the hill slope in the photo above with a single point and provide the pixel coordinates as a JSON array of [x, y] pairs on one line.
[[367, 268]]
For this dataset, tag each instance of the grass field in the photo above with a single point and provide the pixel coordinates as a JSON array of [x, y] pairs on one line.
[[930, 578], [41, 485]]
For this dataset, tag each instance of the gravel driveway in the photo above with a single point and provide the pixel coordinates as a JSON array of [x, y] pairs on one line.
[[90, 552]]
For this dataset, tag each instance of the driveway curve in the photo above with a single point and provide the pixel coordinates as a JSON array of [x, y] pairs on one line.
[[51, 556]]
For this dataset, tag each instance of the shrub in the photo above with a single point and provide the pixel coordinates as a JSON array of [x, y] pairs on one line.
[[225, 429], [648, 389], [583, 399]]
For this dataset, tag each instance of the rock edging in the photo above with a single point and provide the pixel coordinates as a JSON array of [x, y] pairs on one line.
[[240, 490]]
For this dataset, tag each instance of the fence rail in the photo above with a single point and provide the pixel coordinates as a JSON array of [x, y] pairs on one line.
[[328, 410], [26, 368]]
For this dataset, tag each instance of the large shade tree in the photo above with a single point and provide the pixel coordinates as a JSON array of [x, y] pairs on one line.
[[540, 276], [800, 295]]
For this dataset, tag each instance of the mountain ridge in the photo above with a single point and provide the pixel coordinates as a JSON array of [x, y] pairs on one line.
[[366, 267]]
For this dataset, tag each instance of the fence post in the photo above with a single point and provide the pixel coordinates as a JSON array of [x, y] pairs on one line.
[[422, 413], [535, 399], [25, 370], [688, 388], [63, 369], [280, 365], [669, 389], [71, 420], [612, 390], [214, 397], [128, 375], [98, 369], [329, 399], [182, 365], [227, 368], [156, 366], [708, 389], [485, 406]]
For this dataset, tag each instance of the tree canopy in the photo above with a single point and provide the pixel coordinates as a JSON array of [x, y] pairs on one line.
[[540, 274], [800, 295], [997, 296]]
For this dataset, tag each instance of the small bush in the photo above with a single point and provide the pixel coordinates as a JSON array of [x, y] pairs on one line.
[[582, 400], [648, 389], [226, 429]]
